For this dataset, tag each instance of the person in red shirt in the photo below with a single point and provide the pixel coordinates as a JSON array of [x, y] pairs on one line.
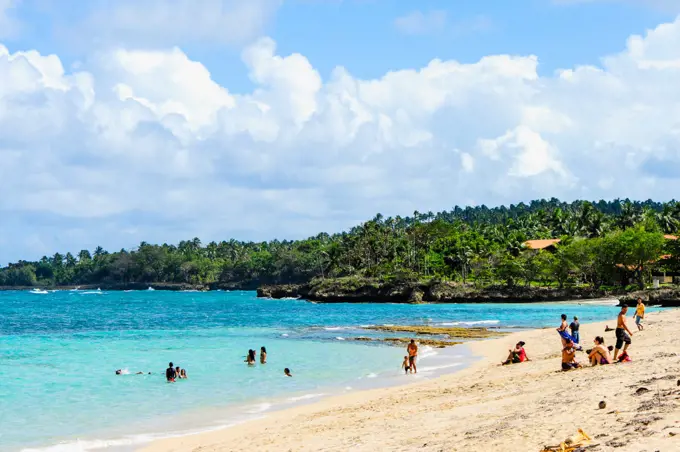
[[517, 355]]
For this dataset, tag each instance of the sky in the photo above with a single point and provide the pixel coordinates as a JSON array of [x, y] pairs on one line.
[[124, 121]]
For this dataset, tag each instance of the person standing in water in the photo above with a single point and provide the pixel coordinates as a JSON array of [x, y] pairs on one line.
[[639, 314], [286, 372], [170, 373], [263, 355], [574, 326], [621, 336], [412, 350], [251, 357]]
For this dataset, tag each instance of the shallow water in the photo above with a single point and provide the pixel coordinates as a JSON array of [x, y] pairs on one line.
[[59, 352]]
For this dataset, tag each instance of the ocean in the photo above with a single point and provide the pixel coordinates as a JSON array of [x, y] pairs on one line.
[[59, 352]]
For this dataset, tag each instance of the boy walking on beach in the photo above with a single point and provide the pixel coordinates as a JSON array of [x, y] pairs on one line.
[[621, 336], [639, 314], [405, 365]]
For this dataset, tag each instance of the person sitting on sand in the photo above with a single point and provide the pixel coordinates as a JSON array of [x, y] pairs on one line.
[[263, 355], [517, 355], [639, 314], [569, 356], [286, 372], [412, 350], [405, 365], [599, 354], [170, 373], [621, 336]]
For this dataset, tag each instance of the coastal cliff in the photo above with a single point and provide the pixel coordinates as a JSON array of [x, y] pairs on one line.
[[364, 290]]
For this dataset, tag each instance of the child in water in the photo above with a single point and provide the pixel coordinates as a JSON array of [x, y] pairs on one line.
[[406, 365]]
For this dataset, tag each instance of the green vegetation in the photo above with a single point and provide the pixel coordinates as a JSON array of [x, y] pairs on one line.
[[602, 244]]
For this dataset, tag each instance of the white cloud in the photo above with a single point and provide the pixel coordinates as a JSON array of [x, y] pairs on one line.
[[419, 22], [148, 143]]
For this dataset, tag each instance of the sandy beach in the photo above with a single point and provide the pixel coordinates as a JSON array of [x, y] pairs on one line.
[[487, 407]]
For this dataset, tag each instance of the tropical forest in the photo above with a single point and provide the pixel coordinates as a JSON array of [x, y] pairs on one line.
[[597, 244]]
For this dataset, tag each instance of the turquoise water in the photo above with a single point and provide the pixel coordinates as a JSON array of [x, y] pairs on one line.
[[59, 352]]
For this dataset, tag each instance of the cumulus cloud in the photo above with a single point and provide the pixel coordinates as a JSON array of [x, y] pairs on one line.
[[145, 145]]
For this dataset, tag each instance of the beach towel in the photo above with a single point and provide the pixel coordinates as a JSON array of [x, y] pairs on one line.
[[567, 336]]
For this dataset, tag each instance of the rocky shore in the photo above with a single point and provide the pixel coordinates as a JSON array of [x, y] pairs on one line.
[[667, 297], [353, 290], [358, 290]]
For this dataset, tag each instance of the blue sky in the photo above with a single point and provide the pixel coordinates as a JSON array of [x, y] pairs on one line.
[[161, 120], [361, 35]]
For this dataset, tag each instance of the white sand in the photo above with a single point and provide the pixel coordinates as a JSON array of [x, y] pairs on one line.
[[488, 407]]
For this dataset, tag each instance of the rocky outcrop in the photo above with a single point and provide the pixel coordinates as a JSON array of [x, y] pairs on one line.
[[365, 290], [667, 297]]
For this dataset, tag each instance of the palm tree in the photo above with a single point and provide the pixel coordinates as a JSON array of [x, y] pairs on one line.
[[666, 219]]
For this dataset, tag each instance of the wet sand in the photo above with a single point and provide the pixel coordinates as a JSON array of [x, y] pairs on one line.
[[488, 407]]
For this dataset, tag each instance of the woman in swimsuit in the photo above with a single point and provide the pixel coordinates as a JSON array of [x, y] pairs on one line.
[[599, 354], [251, 357], [263, 355]]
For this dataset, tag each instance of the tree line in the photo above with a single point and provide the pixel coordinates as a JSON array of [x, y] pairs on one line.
[[601, 243]]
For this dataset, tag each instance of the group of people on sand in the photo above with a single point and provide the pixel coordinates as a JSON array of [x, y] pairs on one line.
[[600, 354], [175, 373], [409, 364]]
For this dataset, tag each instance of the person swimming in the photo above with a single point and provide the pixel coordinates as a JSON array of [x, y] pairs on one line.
[[263, 355], [286, 372]]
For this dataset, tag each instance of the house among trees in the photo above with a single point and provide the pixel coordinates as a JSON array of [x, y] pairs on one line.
[[548, 245]]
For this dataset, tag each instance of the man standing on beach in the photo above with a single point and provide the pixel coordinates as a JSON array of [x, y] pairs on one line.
[[639, 314], [621, 336], [412, 355]]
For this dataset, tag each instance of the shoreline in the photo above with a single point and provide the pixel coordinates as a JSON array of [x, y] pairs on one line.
[[205, 420], [371, 292], [486, 406]]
